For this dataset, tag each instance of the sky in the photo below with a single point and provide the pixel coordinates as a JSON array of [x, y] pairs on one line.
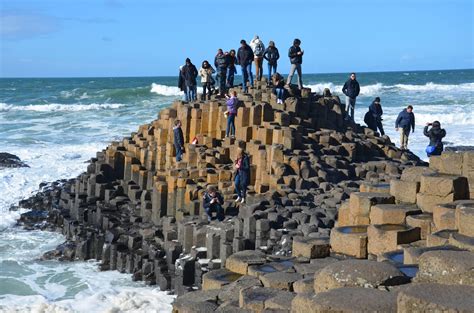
[[95, 38]]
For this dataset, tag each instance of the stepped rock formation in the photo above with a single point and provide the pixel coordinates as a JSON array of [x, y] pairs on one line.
[[139, 211]]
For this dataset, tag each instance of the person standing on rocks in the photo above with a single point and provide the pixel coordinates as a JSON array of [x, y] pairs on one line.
[[182, 84], [242, 175], [271, 55], [221, 63], [231, 71], [190, 73], [296, 59], [278, 87], [376, 113], [351, 89], [232, 103], [212, 202], [436, 134], [405, 121], [258, 49], [206, 72], [244, 58], [178, 140]]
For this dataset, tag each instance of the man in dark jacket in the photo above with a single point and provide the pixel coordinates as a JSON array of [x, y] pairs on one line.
[[244, 59], [271, 55], [436, 134], [221, 62], [405, 121], [212, 202], [296, 59], [181, 84], [351, 89], [178, 140], [375, 110], [189, 74]]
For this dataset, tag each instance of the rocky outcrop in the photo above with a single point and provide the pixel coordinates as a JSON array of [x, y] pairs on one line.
[[10, 160]]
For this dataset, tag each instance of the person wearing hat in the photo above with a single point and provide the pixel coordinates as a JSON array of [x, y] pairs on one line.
[[436, 134], [376, 112]]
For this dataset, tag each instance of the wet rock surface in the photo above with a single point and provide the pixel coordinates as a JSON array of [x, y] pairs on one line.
[[10, 160]]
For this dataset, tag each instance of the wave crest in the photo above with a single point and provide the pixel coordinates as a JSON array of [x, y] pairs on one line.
[[57, 107], [164, 90]]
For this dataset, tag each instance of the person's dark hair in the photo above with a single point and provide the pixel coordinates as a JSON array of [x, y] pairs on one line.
[[219, 51], [271, 43], [188, 60], [232, 51], [243, 42], [436, 124], [205, 62], [353, 73], [176, 122], [377, 99], [296, 41], [211, 188], [410, 107]]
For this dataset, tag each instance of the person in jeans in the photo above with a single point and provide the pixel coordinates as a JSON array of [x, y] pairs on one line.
[[232, 103], [189, 74], [351, 89], [242, 175], [271, 55], [244, 58], [182, 84], [221, 63], [376, 113], [231, 70], [212, 201], [278, 87], [404, 122], [296, 59], [436, 134], [178, 140], [258, 49], [206, 72]]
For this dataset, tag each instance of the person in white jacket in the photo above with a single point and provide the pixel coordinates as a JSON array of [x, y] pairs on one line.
[[206, 72], [258, 49]]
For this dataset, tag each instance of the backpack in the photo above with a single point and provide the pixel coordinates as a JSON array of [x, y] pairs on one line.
[[368, 119], [259, 49]]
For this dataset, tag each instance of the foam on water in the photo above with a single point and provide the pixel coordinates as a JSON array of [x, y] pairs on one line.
[[57, 107], [165, 90]]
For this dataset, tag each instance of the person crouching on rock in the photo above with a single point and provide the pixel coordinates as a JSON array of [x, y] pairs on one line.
[[212, 202], [376, 111], [278, 87], [405, 121], [232, 103], [436, 134], [178, 140], [242, 175]]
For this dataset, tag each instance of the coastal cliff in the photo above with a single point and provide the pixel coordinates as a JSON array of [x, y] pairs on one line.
[[325, 195]]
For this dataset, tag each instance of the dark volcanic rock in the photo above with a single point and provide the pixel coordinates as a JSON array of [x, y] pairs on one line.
[[10, 160]]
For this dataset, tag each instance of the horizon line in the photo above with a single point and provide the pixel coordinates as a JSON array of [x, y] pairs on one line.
[[151, 76]]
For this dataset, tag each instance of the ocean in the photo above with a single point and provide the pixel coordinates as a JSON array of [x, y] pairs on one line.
[[56, 124]]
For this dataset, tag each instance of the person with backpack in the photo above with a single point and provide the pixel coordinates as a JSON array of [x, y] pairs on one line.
[[221, 63], [206, 72], [231, 70], [244, 58], [404, 122], [189, 74], [178, 140], [271, 55], [375, 113], [436, 134], [258, 49], [296, 59], [242, 175], [351, 89], [231, 103]]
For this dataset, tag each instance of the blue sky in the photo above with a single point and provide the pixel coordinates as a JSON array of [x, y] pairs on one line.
[[68, 38]]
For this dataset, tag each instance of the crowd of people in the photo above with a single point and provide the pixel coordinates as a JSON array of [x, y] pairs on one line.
[[255, 53]]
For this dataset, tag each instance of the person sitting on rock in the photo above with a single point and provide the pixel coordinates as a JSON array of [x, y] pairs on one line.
[[206, 72], [436, 134], [212, 202], [296, 59], [271, 55], [242, 175], [232, 103], [404, 122], [178, 140], [278, 87], [376, 113]]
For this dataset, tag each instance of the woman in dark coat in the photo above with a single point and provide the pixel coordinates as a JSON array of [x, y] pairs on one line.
[[242, 175], [436, 134]]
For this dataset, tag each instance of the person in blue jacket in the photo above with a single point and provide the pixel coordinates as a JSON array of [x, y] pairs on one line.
[[242, 175], [178, 140], [405, 121], [212, 201]]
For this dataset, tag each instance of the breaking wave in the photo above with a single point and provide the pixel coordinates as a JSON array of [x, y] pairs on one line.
[[57, 107], [164, 90]]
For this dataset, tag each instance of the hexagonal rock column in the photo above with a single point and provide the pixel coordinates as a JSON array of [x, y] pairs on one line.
[[218, 278], [422, 221], [240, 261], [462, 241], [439, 238], [257, 299], [440, 188], [464, 220], [310, 248], [280, 280], [350, 240], [384, 238], [353, 299], [404, 191], [436, 298], [392, 213], [357, 273], [446, 267], [196, 302], [443, 216], [361, 203]]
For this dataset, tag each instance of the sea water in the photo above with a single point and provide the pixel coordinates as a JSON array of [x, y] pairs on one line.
[[56, 125]]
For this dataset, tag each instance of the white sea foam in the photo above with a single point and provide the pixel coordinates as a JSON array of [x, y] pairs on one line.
[[368, 90], [435, 87], [164, 90], [57, 107]]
